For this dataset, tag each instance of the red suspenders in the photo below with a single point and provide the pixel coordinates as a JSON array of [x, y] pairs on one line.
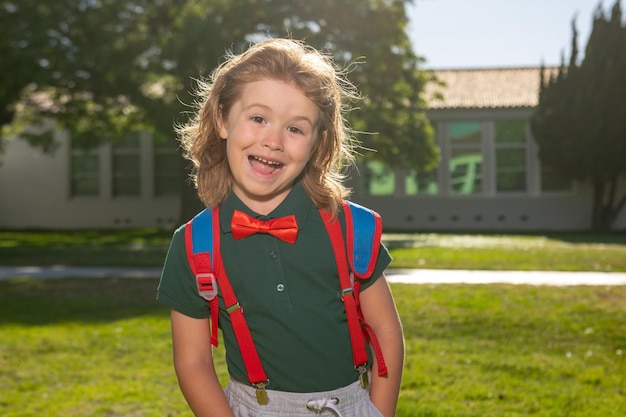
[[251, 360], [201, 260]]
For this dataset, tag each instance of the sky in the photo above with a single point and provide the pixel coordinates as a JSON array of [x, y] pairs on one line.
[[453, 34]]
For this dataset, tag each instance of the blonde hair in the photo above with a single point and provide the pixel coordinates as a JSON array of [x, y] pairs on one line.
[[285, 60]]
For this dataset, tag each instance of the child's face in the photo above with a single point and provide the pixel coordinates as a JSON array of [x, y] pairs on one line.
[[270, 131]]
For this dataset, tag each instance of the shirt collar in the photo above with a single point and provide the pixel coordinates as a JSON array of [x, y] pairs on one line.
[[297, 202]]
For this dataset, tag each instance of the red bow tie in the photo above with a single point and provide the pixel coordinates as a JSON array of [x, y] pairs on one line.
[[284, 228]]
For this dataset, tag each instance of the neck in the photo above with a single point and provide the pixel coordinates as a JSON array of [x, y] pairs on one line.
[[261, 206]]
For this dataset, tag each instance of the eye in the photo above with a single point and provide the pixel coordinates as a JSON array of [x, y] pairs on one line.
[[257, 119], [296, 130]]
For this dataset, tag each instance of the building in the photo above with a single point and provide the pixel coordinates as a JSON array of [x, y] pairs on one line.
[[489, 177], [135, 183]]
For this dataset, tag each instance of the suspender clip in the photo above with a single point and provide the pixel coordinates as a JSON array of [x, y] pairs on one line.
[[261, 393], [363, 376]]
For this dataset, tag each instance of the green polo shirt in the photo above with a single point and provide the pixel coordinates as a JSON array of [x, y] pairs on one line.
[[290, 295]]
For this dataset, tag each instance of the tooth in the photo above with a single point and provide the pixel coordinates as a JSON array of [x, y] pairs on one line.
[[265, 161]]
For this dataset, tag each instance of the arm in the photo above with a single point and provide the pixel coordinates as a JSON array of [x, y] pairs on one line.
[[193, 361], [380, 312]]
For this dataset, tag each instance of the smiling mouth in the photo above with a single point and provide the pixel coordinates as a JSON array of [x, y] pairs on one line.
[[264, 166]]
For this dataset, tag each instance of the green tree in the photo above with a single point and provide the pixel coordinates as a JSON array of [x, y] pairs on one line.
[[579, 123], [101, 68], [86, 65]]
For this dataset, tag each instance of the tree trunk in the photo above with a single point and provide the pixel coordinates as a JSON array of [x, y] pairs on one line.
[[605, 210], [598, 205]]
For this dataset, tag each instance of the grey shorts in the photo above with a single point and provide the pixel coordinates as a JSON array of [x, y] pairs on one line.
[[350, 401]]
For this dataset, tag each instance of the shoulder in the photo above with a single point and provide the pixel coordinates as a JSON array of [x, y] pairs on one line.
[[178, 237], [176, 251]]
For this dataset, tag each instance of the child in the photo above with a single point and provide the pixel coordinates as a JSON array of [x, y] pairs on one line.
[[269, 140]]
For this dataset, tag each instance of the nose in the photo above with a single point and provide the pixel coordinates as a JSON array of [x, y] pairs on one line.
[[273, 138]]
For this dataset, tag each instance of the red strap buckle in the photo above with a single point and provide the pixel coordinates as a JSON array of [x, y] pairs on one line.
[[207, 285]]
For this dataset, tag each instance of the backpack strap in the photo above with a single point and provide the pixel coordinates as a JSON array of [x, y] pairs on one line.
[[199, 243], [364, 228], [360, 230]]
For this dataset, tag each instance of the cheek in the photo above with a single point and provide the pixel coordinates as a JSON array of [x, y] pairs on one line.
[[306, 151], [314, 148]]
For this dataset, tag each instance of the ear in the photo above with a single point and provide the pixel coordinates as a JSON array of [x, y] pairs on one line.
[[222, 125]]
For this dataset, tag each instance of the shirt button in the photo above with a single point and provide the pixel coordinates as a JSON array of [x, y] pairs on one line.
[[273, 254], [280, 288]]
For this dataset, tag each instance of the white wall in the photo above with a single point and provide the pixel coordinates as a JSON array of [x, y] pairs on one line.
[[34, 193], [568, 213]]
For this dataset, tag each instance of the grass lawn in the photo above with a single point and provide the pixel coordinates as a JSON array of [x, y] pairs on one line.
[[101, 347], [555, 252], [143, 247], [147, 247]]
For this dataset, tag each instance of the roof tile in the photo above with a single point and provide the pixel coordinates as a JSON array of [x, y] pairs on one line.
[[485, 88]]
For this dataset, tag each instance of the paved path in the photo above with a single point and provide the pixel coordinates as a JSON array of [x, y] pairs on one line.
[[76, 272], [437, 276], [412, 276]]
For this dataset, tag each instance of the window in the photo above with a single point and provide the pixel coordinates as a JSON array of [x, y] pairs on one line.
[[466, 159], [132, 166], [378, 178], [126, 166], [167, 167], [421, 183], [510, 141], [84, 175]]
